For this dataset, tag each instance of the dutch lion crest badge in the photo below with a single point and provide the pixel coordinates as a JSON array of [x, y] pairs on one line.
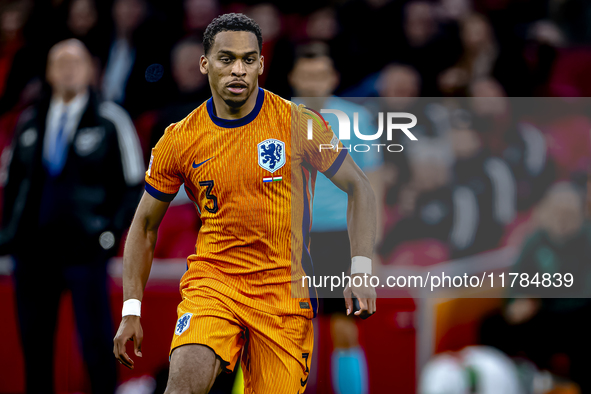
[[183, 323], [271, 154]]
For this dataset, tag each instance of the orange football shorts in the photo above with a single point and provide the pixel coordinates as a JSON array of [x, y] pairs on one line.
[[275, 351]]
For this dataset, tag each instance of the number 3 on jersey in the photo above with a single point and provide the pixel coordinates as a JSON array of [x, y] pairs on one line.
[[209, 196]]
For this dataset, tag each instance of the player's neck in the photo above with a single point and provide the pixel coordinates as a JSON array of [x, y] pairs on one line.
[[224, 111]]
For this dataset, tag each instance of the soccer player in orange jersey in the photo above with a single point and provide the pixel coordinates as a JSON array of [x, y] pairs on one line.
[[245, 160]]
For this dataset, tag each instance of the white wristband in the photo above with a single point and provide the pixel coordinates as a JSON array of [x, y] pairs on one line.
[[360, 265], [131, 307]]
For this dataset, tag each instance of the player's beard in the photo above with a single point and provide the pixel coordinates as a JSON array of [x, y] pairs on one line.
[[235, 103]]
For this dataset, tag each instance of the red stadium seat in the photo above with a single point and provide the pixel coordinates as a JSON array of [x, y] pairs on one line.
[[570, 74], [178, 232]]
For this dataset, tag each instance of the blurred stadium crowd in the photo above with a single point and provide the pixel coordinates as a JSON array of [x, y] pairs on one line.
[[531, 47], [488, 173]]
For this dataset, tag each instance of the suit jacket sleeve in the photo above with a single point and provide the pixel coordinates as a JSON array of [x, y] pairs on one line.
[[128, 167]]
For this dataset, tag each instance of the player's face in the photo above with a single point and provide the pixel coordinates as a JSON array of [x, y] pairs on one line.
[[233, 66]]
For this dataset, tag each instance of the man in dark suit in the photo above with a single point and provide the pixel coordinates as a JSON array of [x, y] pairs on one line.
[[73, 180]]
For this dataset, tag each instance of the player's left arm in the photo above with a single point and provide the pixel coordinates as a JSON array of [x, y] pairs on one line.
[[361, 223]]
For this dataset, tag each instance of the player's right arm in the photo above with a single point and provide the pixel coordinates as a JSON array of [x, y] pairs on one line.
[[137, 261], [163, 180]]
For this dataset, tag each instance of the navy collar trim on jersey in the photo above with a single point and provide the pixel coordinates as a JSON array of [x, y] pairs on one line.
[[231, 123]]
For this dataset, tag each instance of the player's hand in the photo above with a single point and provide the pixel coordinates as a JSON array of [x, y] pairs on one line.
[[130, 329], [366, 294]]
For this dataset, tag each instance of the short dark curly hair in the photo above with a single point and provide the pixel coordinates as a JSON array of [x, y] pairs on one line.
[[231, 22]]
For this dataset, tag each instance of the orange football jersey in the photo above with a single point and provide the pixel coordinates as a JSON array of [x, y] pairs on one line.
[[252, 182]]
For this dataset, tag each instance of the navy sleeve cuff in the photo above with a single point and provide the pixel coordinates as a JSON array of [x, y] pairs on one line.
[[334, 168], [158, 195]]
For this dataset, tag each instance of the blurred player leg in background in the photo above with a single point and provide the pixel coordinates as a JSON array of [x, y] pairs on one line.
[[331, 254]]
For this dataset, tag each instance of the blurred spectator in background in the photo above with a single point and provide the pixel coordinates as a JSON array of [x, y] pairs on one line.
[[402, 83], [399, 80], [543, 43], [73, 181], [453, 11], [427, 206], [313, 77], [277, 49], [192, 87], [190, 82], [566, 125], [488, 177], [423, 40], [128, 15], [269, 19], [572, 16], [552, 332], [369, 27], [82, 22], [457, 192], [22, 59], [520, 143], [198, 14], [13, 16], [483, 57], [324, 25], [82, 17], [136, 59]]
